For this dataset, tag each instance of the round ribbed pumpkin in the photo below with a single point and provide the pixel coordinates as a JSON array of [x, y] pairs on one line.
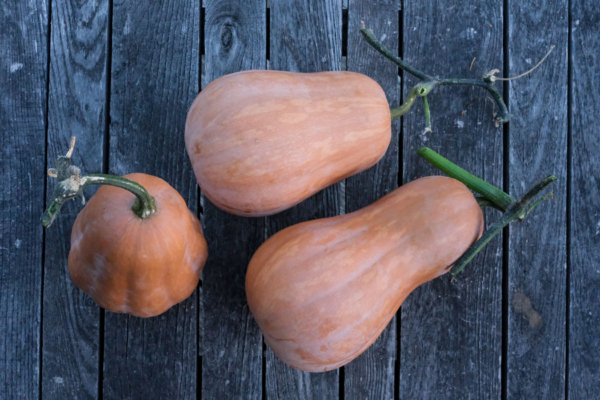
[[132, 265]]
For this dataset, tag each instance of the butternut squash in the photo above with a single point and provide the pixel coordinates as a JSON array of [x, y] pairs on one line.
[[322, 291], [262, 141]]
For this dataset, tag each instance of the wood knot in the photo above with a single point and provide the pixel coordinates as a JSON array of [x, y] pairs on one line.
[[227, 33]]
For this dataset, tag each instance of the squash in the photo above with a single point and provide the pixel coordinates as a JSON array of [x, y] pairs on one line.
[[262, 141], [322, 291], [137, 266], [132, 253]]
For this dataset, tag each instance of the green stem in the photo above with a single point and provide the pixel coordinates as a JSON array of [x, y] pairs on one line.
[[474, 183], [144, 205], [548, 196], [427, 113], [513, 213], [372, 40], [501, 114], [71, 184]]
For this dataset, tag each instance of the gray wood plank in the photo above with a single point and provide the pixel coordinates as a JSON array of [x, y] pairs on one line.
[[537, 247], [451, 331], [306, 36], [371, 375], [154, 79], [76, 106], [23, 73], [235, 39], [584, 345]]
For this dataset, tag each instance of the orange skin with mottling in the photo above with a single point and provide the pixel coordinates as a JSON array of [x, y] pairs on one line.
[[262, 141], [132, 265], [322, 291]]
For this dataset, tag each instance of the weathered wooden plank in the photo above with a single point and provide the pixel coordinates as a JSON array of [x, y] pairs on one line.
[[306, 36], [451, 331], [537, 247], [584, 345], [23, 70], [371, 375], [154, 79], [76, 106], [235, 39]]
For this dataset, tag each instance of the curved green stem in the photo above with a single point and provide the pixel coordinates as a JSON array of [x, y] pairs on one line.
[[501, 114], [420, 89], [144, 205], [474, 183], [515, 212], [71, 184], [403, 108]]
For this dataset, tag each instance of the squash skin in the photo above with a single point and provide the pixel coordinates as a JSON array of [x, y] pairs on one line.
[[322, 291], [132, 265], [262, 141]]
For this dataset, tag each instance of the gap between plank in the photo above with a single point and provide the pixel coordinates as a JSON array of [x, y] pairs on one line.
[[342, 194], [397, 364], [265, 220], [506, 232], [569, 172], [47, 106], [105, 170], [200, 214]]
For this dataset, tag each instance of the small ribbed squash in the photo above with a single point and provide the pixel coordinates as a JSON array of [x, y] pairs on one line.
[[262, 141], [322, 291], [137, 266]]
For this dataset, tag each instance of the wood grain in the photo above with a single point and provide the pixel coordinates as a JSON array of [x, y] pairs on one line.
[[451, 331], [23, 70], [71, 331], [537, 247], [154, 79], [306, 36], [584, 346], [235, 39], [372, 374]]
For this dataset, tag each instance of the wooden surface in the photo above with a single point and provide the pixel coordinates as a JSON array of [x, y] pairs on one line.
[[536, 297], [23, 111], [520, 322], [584, 219]]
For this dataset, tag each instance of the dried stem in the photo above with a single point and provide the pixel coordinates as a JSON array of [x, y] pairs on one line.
[[500, 116], [71, 184]]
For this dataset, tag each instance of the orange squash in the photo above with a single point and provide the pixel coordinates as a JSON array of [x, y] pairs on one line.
[[132, 253], [262, 141], [322, 291], [137, 266]]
